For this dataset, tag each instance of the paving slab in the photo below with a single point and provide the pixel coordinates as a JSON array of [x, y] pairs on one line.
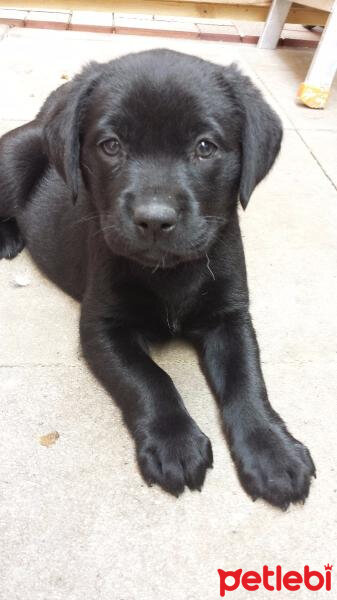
[[290, 234], [23, 307], [32, 75], [76, 515]]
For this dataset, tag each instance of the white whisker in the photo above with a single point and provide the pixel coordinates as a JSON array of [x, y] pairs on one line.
[[209, 266]]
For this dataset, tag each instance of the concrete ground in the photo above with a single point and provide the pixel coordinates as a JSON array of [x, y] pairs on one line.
[[77, 521]]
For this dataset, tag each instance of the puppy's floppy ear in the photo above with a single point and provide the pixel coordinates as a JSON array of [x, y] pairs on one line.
[[62, 115], [261, 134]]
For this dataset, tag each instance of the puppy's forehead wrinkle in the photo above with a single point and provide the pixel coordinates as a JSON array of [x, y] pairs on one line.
[[162, 98], [159, 112]]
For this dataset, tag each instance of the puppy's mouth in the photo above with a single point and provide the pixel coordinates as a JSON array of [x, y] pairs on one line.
[[160, 259], [156, 257]]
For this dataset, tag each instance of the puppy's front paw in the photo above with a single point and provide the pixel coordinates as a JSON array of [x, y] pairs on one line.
[[173, 452], [274, 466]]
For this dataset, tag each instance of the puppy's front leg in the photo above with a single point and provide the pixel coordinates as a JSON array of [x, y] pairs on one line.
[[171, 449], [271, 464]]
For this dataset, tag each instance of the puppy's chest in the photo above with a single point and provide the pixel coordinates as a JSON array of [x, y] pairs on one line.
[[174, 317], [169, 310], [170, 315], [181, 313]]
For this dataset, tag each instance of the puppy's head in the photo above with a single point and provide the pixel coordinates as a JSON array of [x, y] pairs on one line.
[[165, 144]]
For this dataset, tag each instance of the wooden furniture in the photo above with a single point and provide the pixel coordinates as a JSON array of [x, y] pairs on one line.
[[314, 91], [246, 10]]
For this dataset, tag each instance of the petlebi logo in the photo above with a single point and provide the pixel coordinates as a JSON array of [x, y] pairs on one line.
[[275, 580]]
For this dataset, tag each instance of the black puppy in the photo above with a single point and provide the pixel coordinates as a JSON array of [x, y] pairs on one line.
[[156, 149]]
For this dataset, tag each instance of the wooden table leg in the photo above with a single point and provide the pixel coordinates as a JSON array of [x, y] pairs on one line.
[[314, 91], [274, 24]]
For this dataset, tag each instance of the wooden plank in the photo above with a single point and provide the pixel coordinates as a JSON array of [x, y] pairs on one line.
[[306, 15], [319, 4], [159, 7], [186, 8]]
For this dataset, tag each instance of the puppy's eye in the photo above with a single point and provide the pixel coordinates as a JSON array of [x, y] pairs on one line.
[[111, 147], [205, 149]]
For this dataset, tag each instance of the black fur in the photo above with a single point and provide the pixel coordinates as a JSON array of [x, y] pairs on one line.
[[152, 249]]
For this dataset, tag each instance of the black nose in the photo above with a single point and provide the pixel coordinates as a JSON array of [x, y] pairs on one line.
[[155, 218]]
